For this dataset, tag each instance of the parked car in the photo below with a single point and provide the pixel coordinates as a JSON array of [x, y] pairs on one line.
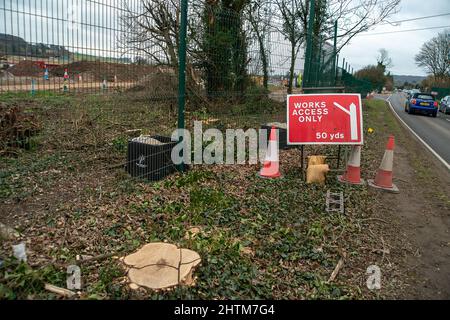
[[422, 103], [410, 93], [444, 106]]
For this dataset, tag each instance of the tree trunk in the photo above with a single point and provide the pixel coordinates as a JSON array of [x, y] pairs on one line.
[[291, 72], [265, 66], [264, 60], [226, 50]]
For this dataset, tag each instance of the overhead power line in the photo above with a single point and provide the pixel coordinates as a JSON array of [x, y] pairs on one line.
[[400, 31], [415, 19], [408, 20]]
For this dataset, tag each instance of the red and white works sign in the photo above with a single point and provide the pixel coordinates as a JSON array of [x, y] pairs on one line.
[[324, 119]]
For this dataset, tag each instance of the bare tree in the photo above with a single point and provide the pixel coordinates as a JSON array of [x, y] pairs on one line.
[[259, 15], [353, 17], [357, 16], [152, 31], [434, 56], [294, 17], [383, 59]]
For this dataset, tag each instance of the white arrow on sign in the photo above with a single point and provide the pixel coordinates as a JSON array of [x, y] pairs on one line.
[[353, 119]]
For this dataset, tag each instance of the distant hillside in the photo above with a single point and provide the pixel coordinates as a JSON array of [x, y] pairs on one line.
[[16, 46], [400, 79]]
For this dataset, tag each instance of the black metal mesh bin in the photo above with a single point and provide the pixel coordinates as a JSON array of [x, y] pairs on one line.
[[282, 133], [150, 158]]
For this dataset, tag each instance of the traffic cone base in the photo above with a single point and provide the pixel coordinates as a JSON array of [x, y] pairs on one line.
[[383, 179], [353, 173], [392, 189], [271, 170], [270, 178], [343, 180]]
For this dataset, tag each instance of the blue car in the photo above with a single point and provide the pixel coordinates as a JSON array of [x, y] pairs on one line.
[[422, 103]]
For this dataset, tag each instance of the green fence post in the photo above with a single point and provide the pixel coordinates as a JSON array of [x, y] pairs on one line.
[[308, 52], [318, 75], [182, 69], [336, 69]]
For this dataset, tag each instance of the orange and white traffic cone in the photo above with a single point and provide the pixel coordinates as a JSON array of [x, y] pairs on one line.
[[271, 168], [383, 180], [353, 173]]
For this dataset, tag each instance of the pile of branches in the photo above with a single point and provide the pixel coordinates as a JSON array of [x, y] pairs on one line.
[[16, 129]]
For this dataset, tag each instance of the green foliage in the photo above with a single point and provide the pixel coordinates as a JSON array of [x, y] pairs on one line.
[[373, 74], [21, 281], [209, 206], [120, 144], [225, 45], [191, 178], [257, 100]]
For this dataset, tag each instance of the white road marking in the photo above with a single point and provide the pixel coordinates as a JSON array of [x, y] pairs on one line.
[[417, 136]]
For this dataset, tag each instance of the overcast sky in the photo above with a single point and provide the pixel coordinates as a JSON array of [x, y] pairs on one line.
[[402, 47]]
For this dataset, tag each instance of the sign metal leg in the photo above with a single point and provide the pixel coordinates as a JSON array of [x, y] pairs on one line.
[[339, 157], [302, 166]]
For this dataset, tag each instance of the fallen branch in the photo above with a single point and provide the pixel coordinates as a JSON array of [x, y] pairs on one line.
[[383, 251], [60, 291], [338, 267], [117, 166], [133, 131], [97, 258], [375, 219]]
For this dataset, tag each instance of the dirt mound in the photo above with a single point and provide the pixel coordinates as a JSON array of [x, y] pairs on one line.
[[89, 70], [26, 68], [157, 85], [100, 71]]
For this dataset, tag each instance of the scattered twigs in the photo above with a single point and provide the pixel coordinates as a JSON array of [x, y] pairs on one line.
[[96, 258], [375, 219], [374, 250], [338, 267], [116, 166], [384, 250], [60, 291]]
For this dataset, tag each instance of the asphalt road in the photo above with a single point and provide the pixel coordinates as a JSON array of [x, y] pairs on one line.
[[434, 131]]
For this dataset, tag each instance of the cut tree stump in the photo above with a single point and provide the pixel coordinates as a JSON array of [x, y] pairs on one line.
[[161, 266]]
